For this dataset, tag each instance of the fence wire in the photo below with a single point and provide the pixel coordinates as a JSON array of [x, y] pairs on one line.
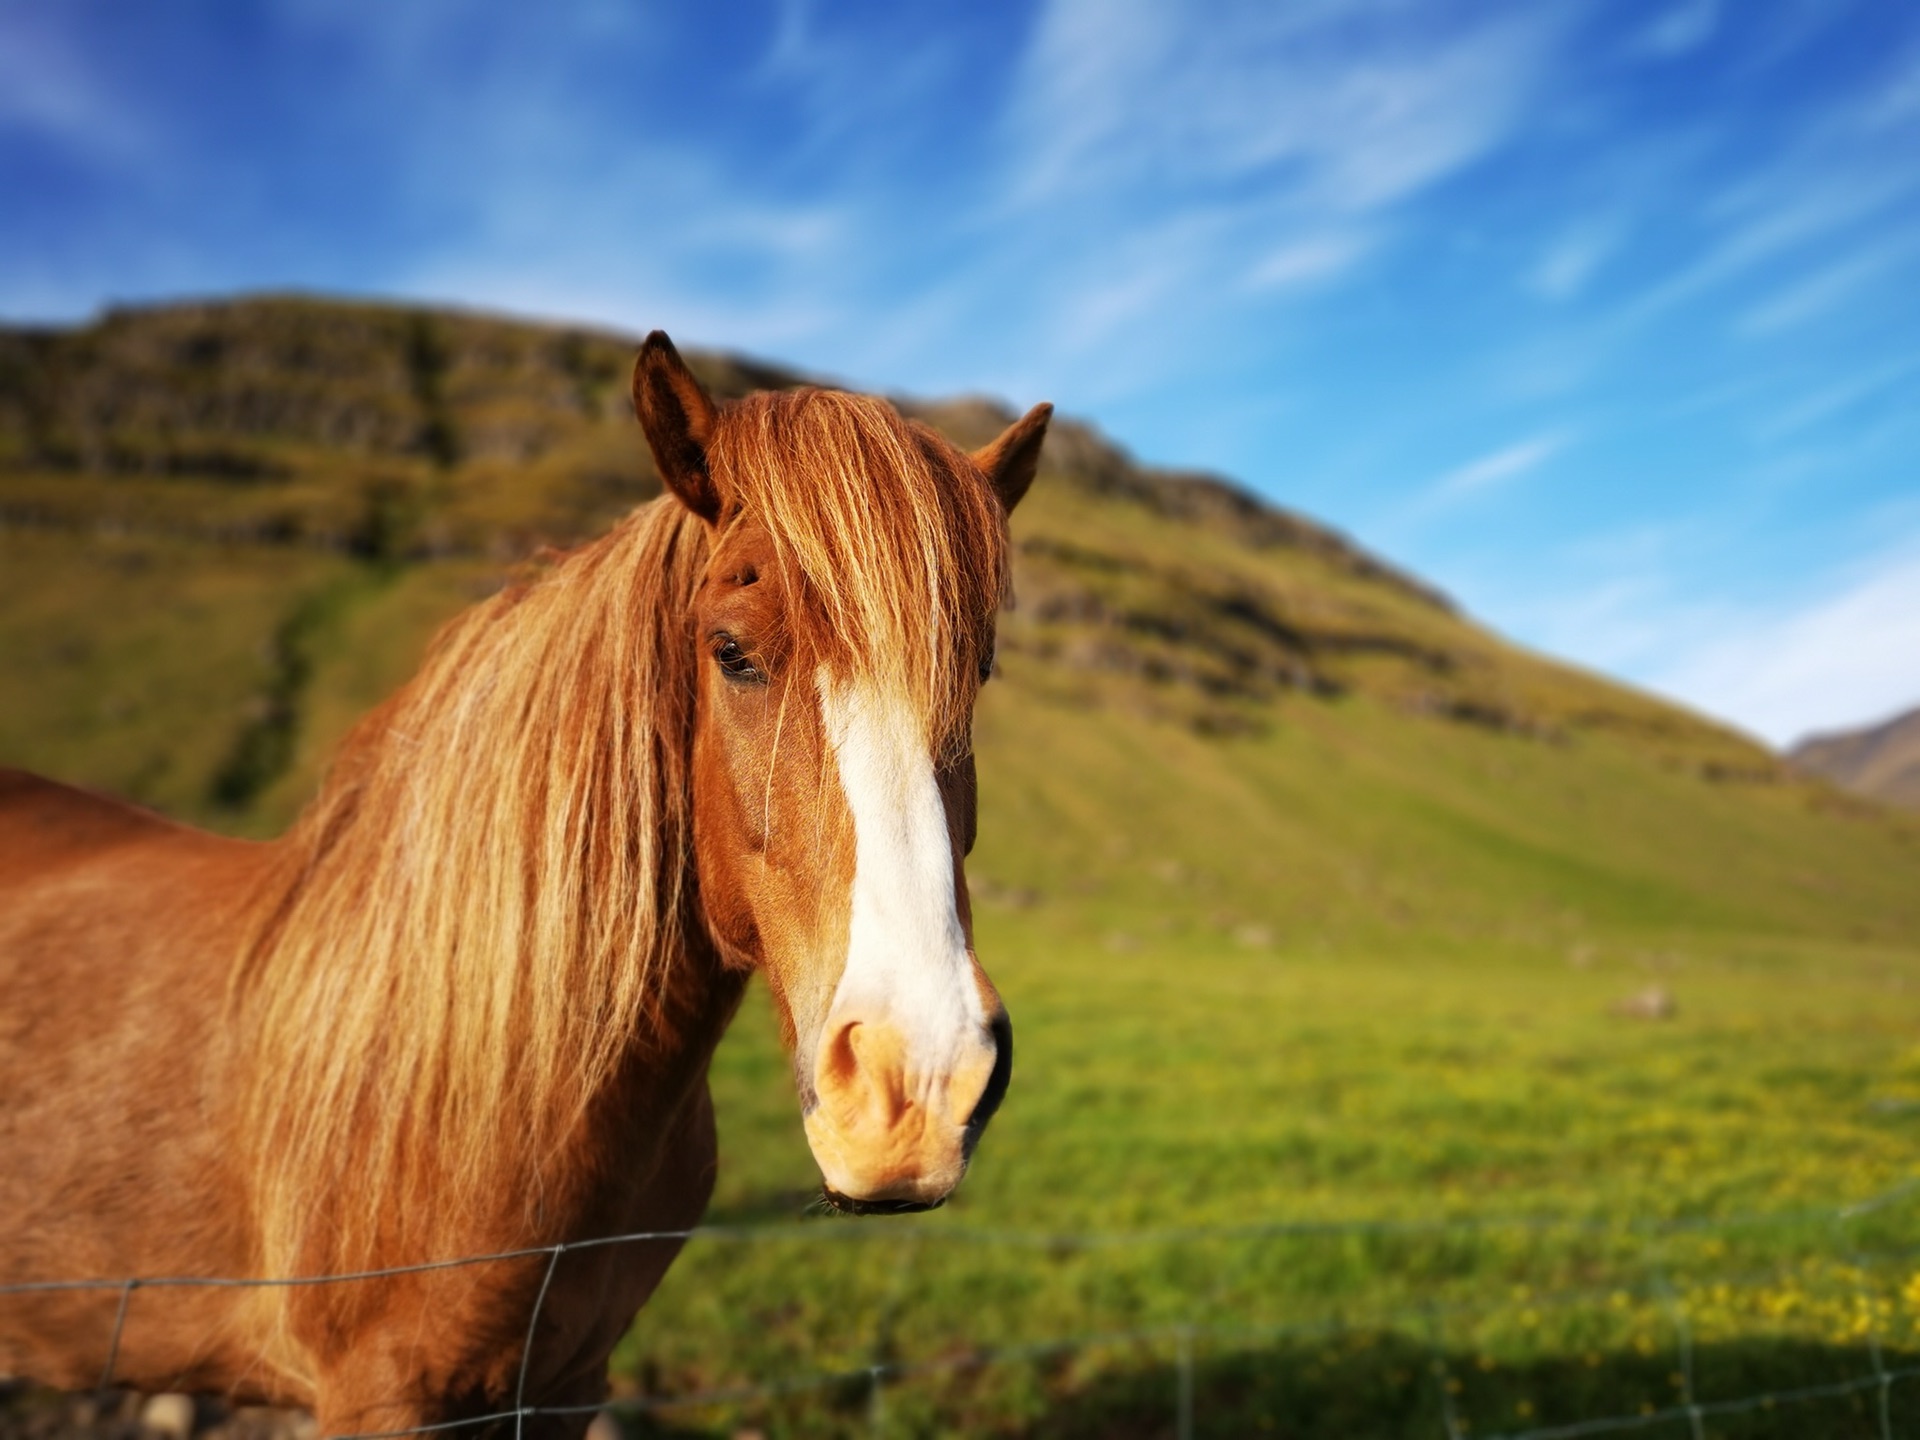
[[1186, 1400]]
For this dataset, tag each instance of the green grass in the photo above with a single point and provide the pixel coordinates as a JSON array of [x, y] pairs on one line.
[[1209, 1138], [1334, 1006]]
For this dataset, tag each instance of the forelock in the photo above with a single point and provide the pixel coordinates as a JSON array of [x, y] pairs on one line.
[[892, 545]]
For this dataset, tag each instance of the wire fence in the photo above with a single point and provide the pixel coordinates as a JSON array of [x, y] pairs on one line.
[[1182, 1339]]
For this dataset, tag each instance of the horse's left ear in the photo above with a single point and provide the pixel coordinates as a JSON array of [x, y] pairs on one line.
[[1011, 460], [678, 417]]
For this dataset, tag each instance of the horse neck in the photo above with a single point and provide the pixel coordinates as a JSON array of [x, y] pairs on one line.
[[655, 1080]]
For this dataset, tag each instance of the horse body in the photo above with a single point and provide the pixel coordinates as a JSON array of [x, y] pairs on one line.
[[121, 1140], [467, 1005], [109, 1058]]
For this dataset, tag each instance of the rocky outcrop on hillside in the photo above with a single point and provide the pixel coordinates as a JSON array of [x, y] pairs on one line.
[[1880, 762], [273, 391], [241, 388]]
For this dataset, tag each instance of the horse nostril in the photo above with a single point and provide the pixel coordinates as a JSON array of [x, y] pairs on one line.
[[996, 1091]]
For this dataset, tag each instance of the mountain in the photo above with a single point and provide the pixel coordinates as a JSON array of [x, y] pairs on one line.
[[227, 528], [1881, 762]]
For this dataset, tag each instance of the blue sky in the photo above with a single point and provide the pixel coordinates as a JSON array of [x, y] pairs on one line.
[[1605, 317]]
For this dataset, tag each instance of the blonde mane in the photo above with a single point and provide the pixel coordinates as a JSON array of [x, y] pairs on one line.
[[477, 919], [483, 900]]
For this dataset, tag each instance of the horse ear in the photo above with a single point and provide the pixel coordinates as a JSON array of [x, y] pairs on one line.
[[678, 417], [1011, 460]]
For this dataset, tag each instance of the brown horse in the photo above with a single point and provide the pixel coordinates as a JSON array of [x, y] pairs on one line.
[[467, 1004]]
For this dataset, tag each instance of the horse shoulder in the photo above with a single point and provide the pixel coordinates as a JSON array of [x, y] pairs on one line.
[[45, 824]]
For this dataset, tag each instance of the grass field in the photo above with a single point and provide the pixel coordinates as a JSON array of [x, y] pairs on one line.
[[1315, 906], [1345, 1144], [1339, 1171]]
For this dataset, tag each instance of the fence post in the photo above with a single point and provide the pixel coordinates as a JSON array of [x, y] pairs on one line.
[[1864, 1296], [883, 1349], [1442, 1377], [1683, 1337], [1183, 1417], [876, 1401]]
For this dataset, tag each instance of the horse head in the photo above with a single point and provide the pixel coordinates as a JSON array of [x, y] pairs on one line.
[[844, 624]]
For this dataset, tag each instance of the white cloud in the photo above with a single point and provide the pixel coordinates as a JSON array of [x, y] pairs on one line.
[[1834, 185], [1822, 292], [46, 89], [1399, 525], [1496, 468], [1174, 169], [1834, 399], [1562, 273], [1848, 655], [1613, 625], [1606, 599], [1681, 30], [1093, 314], [1795, 211], [1899, 101], [1342, 108], [1307, 261]]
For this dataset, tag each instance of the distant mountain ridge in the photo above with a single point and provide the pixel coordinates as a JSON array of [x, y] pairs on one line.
[[1881, 762]]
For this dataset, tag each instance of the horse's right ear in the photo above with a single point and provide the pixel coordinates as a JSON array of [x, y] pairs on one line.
[[678, 417], [1011, 461]]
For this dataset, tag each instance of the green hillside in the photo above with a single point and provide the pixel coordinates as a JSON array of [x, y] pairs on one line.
[[229, 528], [1313, 901]]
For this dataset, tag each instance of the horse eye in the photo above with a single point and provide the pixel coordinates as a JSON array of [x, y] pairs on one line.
[[734, 661], [986, 667]]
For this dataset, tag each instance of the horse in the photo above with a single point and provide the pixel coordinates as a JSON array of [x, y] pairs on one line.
[[466, 1005]]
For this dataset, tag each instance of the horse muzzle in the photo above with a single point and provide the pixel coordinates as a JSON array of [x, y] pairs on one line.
[[892, 1136]]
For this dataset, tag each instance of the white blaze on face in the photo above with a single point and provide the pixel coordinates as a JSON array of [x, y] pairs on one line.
[[907, 959]]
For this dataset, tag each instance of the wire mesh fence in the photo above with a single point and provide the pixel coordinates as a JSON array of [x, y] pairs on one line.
[[1424, 1344]]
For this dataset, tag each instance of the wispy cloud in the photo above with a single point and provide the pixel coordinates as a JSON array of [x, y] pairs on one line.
[[1789, 211], [736, 270], [47, 90], [1152, 154], [1896, 102], [1679, 30], [1307, 261], [1849, 654], [1573, 258], [1616, 598], [1824, 291], [1400, 524], [1494, 469], [1332, 101], [1834, 399]]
